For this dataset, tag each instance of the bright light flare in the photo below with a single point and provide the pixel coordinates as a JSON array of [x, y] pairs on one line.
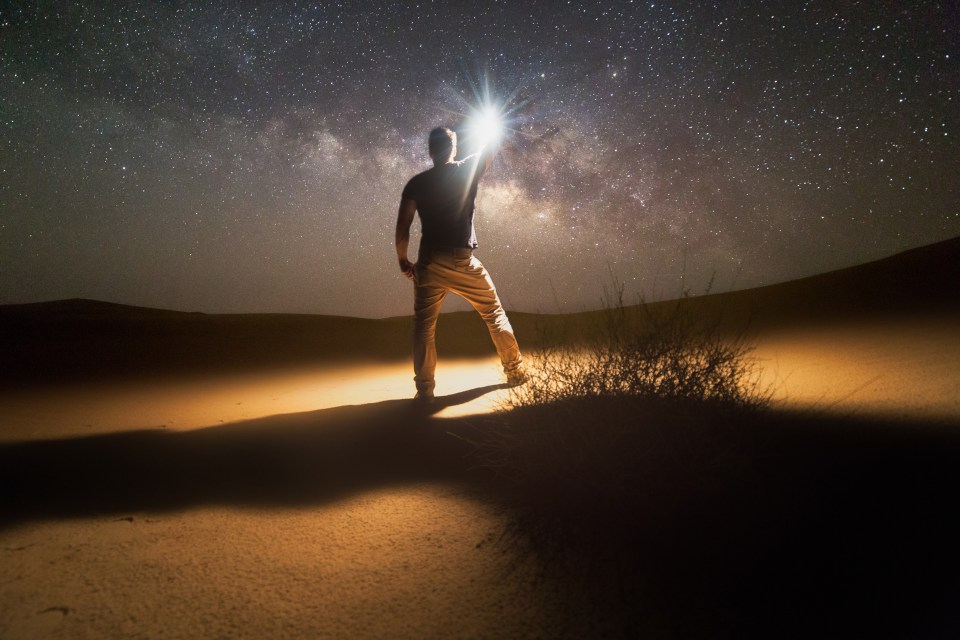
[[486, 126]]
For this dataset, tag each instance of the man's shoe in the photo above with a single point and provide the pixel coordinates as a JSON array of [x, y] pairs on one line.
[[424, 397], [516, 377]]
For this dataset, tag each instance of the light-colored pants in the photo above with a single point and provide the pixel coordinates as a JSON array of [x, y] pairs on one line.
[[460, 273]]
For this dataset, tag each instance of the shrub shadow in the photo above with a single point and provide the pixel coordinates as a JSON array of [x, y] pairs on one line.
[[769, 524]]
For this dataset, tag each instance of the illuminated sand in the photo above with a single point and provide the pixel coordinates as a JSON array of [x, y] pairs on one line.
[[204, 401], [414, 559], [395, 559], [897, 369], [907, 369]]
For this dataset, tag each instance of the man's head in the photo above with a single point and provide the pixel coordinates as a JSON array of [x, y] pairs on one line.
[[443, 145]]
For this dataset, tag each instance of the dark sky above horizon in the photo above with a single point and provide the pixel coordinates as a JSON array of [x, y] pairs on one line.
[[249, 156]]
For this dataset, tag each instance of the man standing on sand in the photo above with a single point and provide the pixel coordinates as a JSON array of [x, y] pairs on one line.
[[444, 197]]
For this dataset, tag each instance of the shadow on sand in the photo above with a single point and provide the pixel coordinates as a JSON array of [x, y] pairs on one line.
[[304, 458], [797, 526], [777, 524]]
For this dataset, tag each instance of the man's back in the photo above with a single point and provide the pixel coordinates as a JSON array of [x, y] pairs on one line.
[[445, 198]]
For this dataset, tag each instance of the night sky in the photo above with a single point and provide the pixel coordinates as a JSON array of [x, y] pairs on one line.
[[249, 157]]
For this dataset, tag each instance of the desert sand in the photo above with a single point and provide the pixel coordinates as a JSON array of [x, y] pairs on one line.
[[271, 498]]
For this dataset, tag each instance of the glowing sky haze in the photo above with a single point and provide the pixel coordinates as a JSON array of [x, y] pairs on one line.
[[249, 157]]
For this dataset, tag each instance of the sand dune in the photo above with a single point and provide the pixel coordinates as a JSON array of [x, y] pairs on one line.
[[80, 339], [186, 475]]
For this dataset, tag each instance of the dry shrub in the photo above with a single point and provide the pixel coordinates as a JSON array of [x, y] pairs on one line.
[[672, 352]]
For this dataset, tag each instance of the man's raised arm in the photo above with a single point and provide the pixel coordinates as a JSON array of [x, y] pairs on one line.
[[486, 156], [408, 208], [483, 158]]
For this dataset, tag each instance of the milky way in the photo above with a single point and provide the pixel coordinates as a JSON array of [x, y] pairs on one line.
[[249, 157]]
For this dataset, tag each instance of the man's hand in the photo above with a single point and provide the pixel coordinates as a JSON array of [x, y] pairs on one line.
[[408, 208], [406, 267]]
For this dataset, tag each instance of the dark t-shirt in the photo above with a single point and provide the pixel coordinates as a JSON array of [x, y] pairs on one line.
[[445, 198]]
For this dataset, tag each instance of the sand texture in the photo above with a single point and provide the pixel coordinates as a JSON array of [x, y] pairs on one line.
[[186, 476]]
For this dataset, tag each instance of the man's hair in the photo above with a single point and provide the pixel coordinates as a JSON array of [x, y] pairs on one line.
[[443, 142]]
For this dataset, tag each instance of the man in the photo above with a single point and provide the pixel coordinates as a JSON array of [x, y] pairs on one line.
[[444, 197]]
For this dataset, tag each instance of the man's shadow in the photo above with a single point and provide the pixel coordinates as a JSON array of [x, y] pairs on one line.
[[306, 458]]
